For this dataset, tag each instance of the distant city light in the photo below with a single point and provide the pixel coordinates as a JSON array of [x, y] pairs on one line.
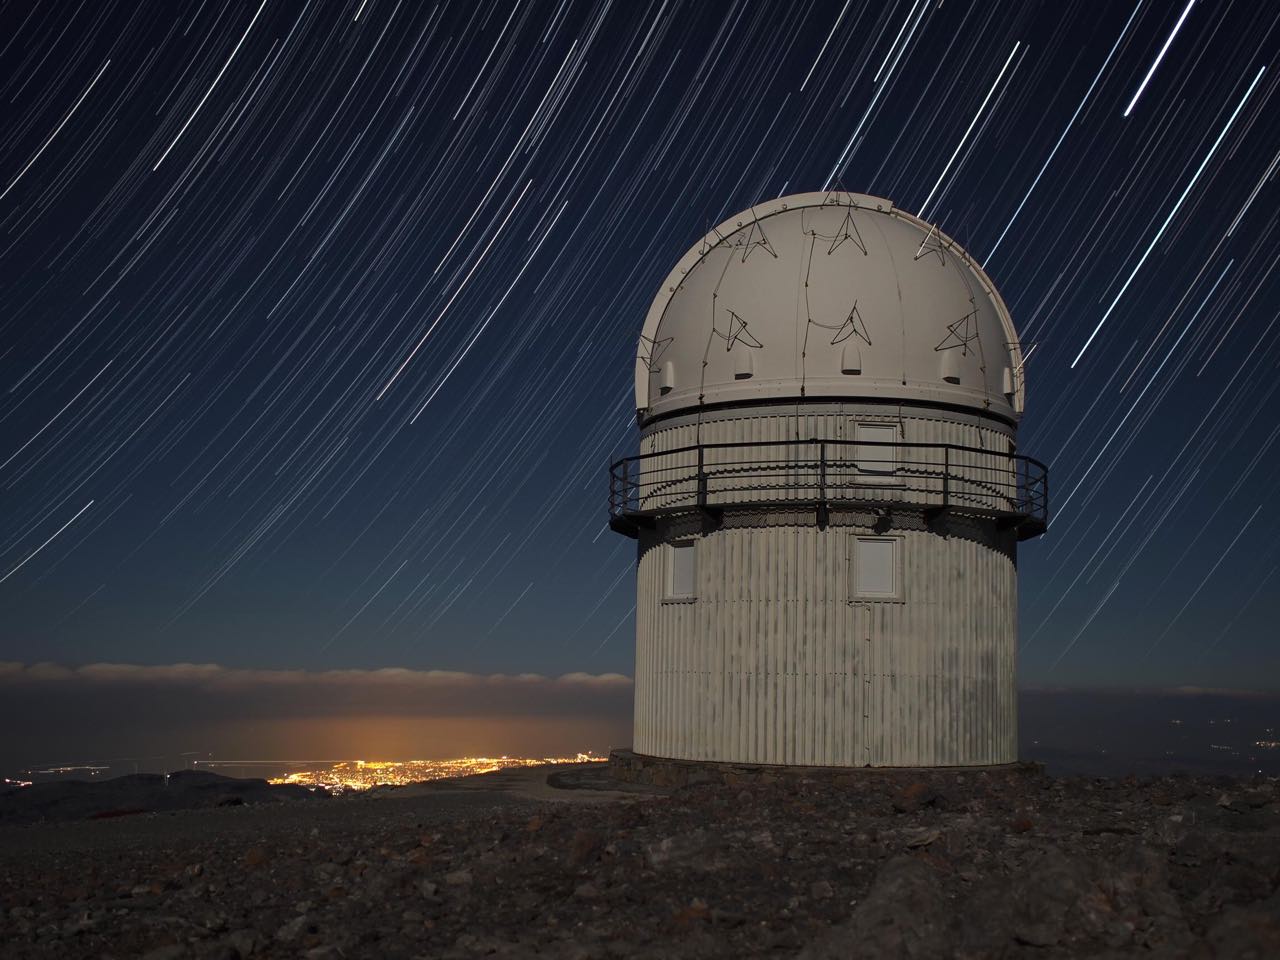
[[365, 774]]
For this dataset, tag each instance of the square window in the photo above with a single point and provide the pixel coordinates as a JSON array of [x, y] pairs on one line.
[[682, 571], [875, 451], [877, 568]]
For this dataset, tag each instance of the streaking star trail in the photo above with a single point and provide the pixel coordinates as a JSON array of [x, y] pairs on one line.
[[316, 319]]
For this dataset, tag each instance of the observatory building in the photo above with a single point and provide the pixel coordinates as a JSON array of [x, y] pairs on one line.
[[828, 499]]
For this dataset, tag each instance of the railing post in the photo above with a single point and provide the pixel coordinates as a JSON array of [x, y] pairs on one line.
[[823, 511], [822, 471], [702, 479], [946, 475]]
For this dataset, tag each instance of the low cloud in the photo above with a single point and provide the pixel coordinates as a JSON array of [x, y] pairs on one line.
[[212, 676], [1237, 693], [112, 708]]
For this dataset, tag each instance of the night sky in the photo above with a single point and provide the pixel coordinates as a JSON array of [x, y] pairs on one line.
[[317, 320]]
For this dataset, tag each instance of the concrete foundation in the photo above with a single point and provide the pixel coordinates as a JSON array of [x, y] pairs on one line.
[[627, 766]]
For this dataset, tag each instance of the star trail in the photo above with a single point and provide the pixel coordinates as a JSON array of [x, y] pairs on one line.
[[318, 320]]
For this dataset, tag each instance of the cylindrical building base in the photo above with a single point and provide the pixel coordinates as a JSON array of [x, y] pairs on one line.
[[779, 649]]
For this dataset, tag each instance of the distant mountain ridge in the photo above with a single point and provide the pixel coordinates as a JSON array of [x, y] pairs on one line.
[[139, 793]]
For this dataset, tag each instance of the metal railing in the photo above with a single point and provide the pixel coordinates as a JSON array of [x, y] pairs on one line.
[[827, 472]]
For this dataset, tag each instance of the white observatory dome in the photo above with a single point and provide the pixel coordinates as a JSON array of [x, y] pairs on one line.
[[828, 296], [828, 498]]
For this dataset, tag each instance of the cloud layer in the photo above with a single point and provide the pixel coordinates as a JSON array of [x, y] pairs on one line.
[[113, 708]]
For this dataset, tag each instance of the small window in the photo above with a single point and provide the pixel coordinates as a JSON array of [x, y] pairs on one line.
[[682, 571], [869, 455], [877, 568]]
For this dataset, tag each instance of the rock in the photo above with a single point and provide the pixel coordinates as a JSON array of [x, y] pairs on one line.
[[923, 837], [1051, 885], [1137, 878], [586, 891], [904, 916], [243, 942], [764, 840], [695, 913], [916, 796], [680, 848], [458, 878], [215, 923], [254, 857], [585, 847], [1248, 932], [992, 936], [296, 928], [84, 923], [326, 871], [170, 951], [908, 798], [821, 890]]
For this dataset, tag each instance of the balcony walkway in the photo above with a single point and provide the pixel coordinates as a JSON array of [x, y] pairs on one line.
[[822, 474]]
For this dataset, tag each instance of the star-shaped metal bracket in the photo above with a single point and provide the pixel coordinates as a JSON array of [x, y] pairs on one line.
[[961, 333], [708, 246], [853, 326], [838, 191], [932, 243], [651, 350], [848, 231], [756, 238], [738, 333]]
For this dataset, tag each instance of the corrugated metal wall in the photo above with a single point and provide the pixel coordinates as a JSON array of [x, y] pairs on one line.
[[837, 421], [776, 662]]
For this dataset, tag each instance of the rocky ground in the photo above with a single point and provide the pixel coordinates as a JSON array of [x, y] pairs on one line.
[[884, 865]]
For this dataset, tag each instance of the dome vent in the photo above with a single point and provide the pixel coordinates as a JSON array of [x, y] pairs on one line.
[[949, 364], [851, 359]]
